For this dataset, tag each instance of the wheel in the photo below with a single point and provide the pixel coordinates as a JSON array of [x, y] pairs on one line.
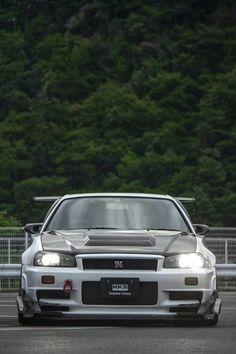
[[209, 322], [25, 321]]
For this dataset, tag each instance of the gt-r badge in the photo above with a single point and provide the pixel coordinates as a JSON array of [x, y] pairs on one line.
[[118, 264]]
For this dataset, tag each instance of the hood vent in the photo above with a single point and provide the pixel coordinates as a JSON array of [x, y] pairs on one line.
[[124, 240]]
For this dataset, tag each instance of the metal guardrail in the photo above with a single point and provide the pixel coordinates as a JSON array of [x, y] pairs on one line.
[[13, 270], [223, 248], [226, 270], [10, 270]]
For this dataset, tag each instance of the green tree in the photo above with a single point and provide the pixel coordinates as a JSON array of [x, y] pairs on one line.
[[8, 221], [118, 96]]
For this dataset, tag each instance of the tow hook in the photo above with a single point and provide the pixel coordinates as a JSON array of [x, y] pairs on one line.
[[67, 288]]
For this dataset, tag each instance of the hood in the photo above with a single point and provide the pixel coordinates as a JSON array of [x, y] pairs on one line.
[[124, 241]]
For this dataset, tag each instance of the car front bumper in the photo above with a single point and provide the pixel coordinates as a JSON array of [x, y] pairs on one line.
[[171, 297]]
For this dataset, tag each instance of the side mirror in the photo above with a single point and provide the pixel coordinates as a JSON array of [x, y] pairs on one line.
[[201, 229], [33, 228]]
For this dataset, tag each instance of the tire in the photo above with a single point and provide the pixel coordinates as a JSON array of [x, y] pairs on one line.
[[25, 321], [209, 322]]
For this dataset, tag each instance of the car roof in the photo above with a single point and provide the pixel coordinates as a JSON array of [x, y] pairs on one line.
[[118, 194]]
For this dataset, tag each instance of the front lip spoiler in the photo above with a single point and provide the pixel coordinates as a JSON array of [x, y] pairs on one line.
[[212, 306], [56, 315], [217, 306]]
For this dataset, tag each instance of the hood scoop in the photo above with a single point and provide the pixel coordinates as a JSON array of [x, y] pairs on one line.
[[121, 240]]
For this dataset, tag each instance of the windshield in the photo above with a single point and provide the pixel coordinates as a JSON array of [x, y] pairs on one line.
[[118, 213]]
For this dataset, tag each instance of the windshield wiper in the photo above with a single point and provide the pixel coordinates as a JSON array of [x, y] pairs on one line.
[[165, 229], [103, 228], [53, 232]]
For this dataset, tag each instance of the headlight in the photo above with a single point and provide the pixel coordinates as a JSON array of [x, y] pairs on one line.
[[50, 259], [185, 260]]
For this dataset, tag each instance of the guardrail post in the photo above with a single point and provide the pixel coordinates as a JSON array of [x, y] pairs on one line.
[[226, 251], [26, 240], [9, 251]]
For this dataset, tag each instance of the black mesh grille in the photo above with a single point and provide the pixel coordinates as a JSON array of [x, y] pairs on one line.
[[184, 309], [49, 308], [91, 295], [52, 294], [119, 264], [185, 295]]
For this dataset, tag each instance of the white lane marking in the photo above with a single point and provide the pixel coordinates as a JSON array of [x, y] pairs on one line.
[[8, 305], [228, 308], [2, 301], [3, 316], [4, 296], [50, 328]]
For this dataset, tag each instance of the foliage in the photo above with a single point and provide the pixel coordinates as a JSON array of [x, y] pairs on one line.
[[118, 96], [8, 221]]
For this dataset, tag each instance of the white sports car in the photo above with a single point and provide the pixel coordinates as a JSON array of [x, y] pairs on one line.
[[118, 256]]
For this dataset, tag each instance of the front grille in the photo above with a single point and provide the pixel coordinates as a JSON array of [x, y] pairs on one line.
[[184, 309], [52, 294], [50, 308], [185, 295], [182, 296], [91, 295], [120, 264]]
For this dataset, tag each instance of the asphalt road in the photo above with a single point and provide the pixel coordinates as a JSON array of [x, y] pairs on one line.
[[107, 338]]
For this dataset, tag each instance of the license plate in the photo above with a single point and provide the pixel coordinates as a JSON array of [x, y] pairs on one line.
[[120, 288]]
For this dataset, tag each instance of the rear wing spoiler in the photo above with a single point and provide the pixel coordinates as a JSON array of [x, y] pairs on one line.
[[184, 200], [52, 199], [46, 199]]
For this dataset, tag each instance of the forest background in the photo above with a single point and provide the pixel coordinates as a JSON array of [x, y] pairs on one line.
[[118, 95]]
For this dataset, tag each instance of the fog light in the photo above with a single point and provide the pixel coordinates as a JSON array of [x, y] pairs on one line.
[[48, 279], [191, 281], [67, 286]]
